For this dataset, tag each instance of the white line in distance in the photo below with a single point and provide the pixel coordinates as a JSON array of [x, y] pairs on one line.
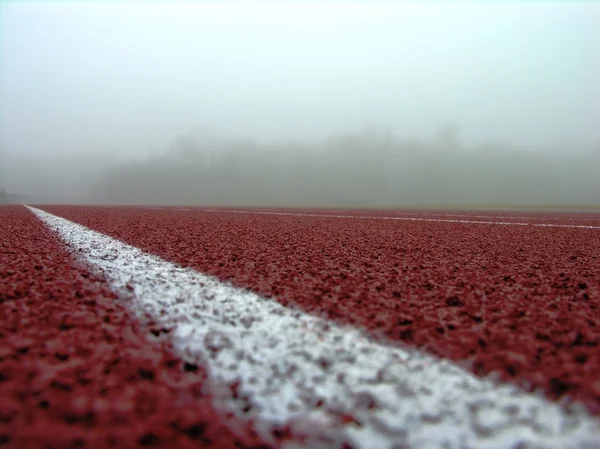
[[441, 220]]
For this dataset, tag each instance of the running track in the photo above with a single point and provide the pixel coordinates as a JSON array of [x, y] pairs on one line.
[[337, 328]]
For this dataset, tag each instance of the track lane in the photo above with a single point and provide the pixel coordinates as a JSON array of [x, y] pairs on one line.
[[581, 219], [522, 302], [77, 370], [449, 218], [364, 394]]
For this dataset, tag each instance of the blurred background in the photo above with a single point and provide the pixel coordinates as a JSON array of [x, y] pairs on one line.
[[350, 104]]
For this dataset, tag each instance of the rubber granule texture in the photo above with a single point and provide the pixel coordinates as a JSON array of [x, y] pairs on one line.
[[77, 371], [522, 302]]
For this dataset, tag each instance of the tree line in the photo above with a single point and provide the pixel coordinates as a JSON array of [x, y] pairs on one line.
[[360, 169]]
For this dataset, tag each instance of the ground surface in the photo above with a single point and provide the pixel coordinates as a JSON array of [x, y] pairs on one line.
[[511, 293]]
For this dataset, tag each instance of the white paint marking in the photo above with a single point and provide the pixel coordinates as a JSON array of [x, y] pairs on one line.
[[418, 214], [516, 217], [312, 374], [441, 220]]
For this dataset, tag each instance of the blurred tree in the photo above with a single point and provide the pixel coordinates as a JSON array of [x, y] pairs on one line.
[[448, 137]]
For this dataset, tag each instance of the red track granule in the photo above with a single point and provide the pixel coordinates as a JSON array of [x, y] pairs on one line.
[[523, 302], [76, 370]]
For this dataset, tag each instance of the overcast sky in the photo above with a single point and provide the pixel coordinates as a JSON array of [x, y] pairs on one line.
[[120, 77]]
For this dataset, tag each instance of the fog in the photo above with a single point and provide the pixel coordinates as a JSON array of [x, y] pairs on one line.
[[350, 104]]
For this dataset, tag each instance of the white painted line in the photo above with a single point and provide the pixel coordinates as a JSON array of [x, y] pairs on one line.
[[331, 384], [363, 214], [441, 220], [516, 217]]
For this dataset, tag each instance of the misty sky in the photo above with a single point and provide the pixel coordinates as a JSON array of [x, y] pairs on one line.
[[130, 77]]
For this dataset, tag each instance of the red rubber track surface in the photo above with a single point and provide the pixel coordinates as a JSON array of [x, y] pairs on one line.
[[584, 218], [517, 300], [77, 371]]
